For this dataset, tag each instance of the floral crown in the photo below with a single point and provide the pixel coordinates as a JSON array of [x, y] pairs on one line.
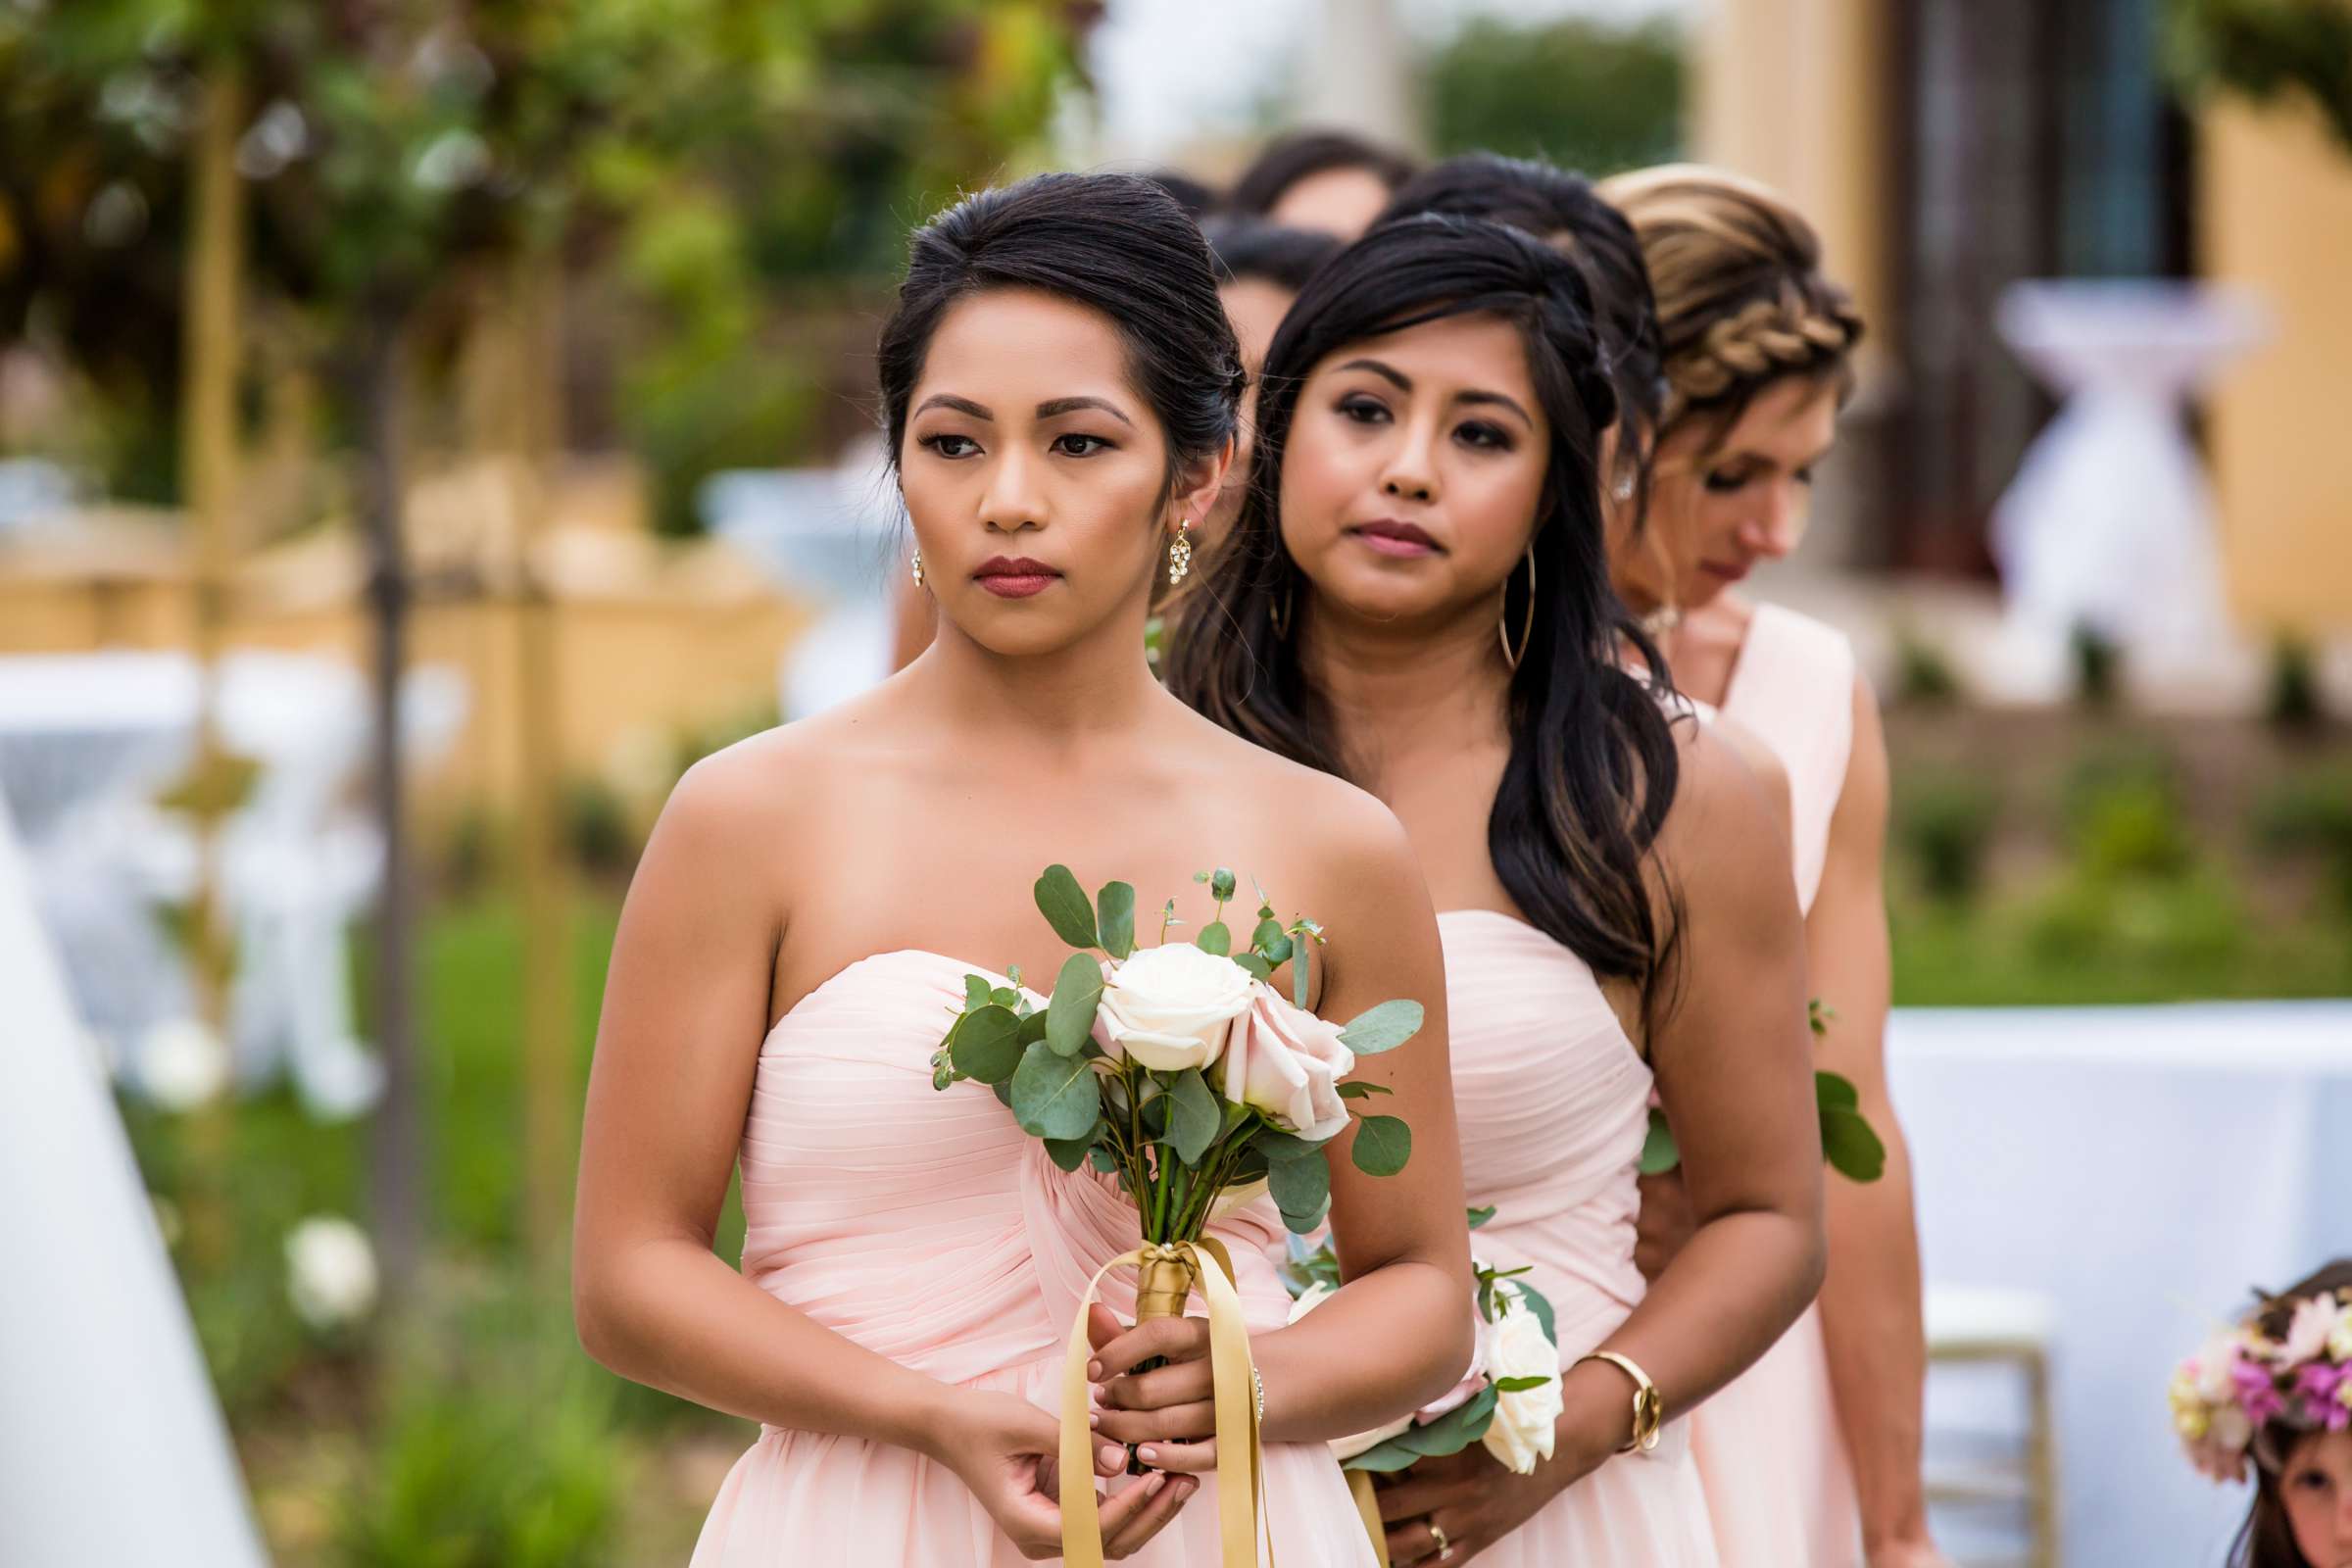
[[2242, 1380]]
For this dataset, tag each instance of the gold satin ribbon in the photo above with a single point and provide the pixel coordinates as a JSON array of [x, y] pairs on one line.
[[1359, 1487], [1240, 1457]]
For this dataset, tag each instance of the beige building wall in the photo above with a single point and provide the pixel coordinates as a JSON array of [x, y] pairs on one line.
[[1791, 92], [2275, 216]]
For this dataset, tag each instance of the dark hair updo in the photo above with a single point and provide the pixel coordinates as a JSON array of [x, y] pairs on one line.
[[1117, 244], [1242, 248], [1564, 209], [1594, 765], [1303, 154]]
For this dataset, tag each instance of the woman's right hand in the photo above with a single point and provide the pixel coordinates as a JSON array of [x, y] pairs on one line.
[[1008, 1452]]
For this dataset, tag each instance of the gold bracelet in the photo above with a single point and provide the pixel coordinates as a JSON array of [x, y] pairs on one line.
[[1258, 1386], [1649, 1409]]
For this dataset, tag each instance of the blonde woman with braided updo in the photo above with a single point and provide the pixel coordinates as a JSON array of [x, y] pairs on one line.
[[1813, 1456]]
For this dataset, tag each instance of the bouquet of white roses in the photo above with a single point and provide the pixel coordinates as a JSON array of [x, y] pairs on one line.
[[1509, 1400], [1179, 1069]]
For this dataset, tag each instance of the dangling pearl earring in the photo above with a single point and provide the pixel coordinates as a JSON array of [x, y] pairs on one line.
[[918, 569], [1180, 551], [1625, 487]]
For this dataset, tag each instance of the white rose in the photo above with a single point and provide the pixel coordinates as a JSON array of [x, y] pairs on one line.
[[1524, 1422], [182, 1064], [1288, 1064], [1346, 1448], [330, 1272], [2230, 1432], [1172, 1006]]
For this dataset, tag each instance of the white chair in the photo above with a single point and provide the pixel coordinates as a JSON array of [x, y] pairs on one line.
[[1999, 1465]]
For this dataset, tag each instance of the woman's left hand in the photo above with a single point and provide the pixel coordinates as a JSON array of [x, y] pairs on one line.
[[1467, 1500], [1170, 1412]]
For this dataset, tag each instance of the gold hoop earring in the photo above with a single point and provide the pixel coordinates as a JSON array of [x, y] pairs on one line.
[[1527, 627], [917, 568], [1180, 551]]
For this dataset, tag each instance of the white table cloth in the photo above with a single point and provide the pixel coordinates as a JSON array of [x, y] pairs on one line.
[[2142, 1167]]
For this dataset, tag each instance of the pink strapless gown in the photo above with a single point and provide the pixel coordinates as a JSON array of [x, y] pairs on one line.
[[1554, 1104], [1770, 1449], [928, 1227]]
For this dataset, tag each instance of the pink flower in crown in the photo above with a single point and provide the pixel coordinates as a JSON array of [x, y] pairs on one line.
[[2257, 1392], [2320, 1385]]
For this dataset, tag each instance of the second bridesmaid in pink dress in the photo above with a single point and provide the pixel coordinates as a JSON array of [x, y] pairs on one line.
[[1416, 597]]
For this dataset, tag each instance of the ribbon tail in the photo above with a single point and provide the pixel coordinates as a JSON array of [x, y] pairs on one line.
[[1080, 1517], [1239, 1462], [1359, 1487]]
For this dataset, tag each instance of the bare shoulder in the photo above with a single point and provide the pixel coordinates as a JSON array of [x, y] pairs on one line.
[[1759, 759], [1723, 822]]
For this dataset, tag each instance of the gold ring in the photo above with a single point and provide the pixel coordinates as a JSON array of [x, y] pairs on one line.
[[1437, 1534]]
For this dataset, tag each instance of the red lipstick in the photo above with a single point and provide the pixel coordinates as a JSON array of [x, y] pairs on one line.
[[1015, 576]]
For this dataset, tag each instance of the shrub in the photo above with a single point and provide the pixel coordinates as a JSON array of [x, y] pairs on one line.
[[2295, 693], [2099, 663], [1946, 825], [2122, 815], [1923, 675], [2311, 814]]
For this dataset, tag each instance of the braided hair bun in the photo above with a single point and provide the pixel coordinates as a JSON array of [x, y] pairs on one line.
[[1743, 300]]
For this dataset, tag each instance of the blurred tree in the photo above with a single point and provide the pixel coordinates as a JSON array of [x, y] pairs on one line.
[[412, 162], [2265, 49], [1587, 95]]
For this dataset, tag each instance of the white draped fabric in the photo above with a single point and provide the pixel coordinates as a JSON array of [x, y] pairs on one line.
[[111, 1448]]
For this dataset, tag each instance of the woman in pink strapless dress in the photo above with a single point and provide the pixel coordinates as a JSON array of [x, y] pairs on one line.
[[1415, 593], [1813, 1457], [1062, 391]]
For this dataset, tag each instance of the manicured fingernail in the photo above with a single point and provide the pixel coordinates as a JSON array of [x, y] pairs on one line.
[[1094, 1418], [1112, 1453], [1154, 1482], [1148, 1455]]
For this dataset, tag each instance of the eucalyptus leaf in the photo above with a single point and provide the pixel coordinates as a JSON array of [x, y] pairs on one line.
[[1259, 967], [1220, 886], [975, 992], [1538, 1302], [1101, 1159], [1071, 1153], [986, 1045], [1280, 1147], [1383, 1028], [1195, 1121], [1065, 908], [1302, 960], [1267, 934], [1003, 1092], [1355, 1089], [1214, 938], [1456, 1430], [1382, 1145], [1115, 918], [1383, 1458], [1033, 1028], [1301, 1186], [1077, 992], [1479, 1216], [1851, 1148], [1308, 1223], [1660, 1153], [1005, 996], [1054, 1095]]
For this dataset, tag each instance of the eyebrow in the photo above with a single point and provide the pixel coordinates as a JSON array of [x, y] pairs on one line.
[[1053, 407], [1403, 384], [1049, 409]]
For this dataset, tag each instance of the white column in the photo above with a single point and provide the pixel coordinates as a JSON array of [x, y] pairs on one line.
[[112, 1447]]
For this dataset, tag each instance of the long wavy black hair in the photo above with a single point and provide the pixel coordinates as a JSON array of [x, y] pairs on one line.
[[1593, 765]]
